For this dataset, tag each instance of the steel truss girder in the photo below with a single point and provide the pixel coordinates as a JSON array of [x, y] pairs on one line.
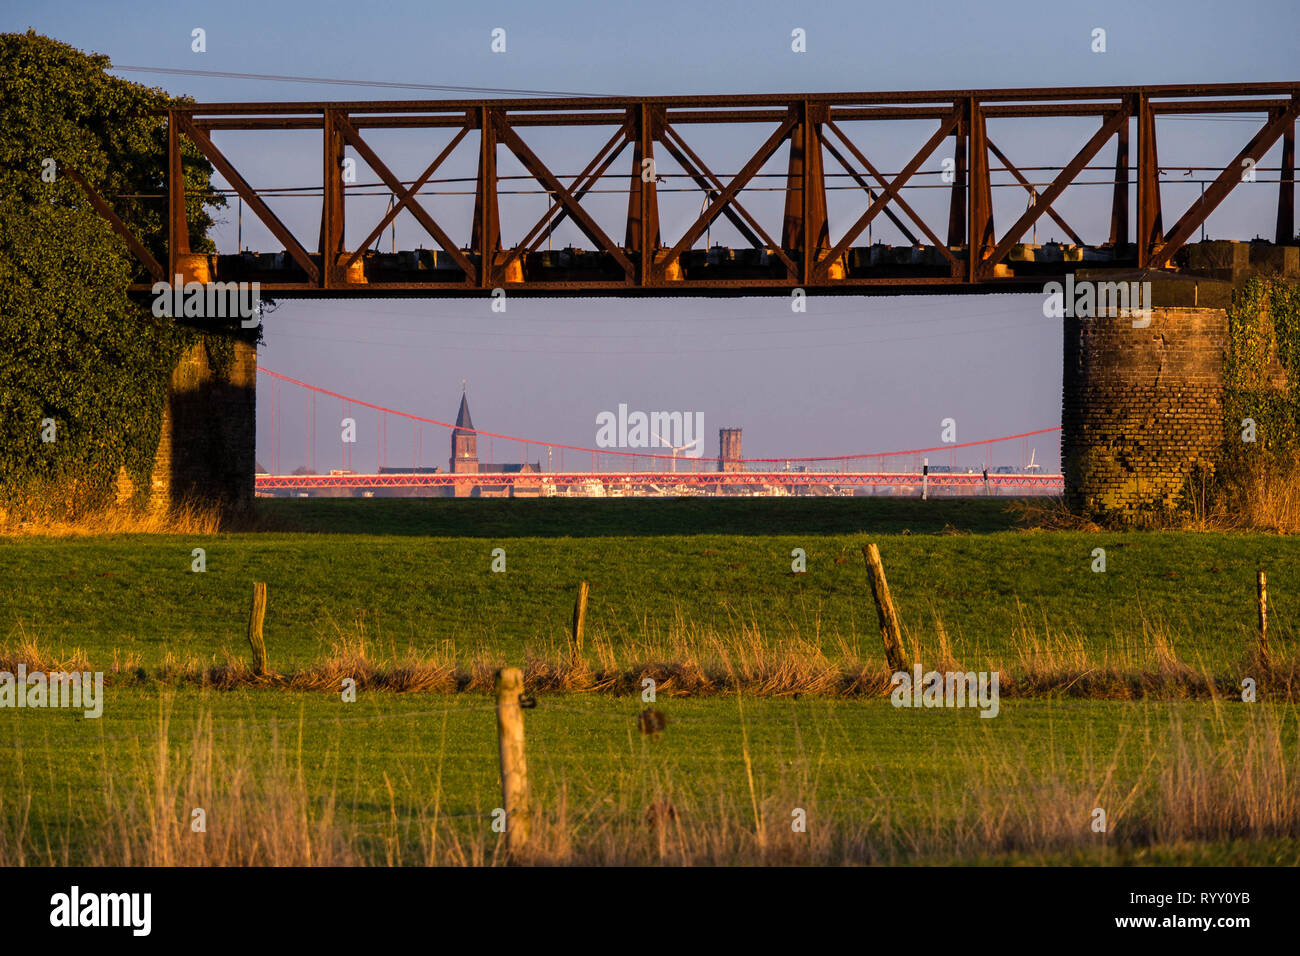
[[1280, 122], [810, 125]]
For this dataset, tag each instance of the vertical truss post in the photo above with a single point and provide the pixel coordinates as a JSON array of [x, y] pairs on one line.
[[642, 235], [792, 224], [805, 229], [981, 192], [796, 225], [332, 205], [1119, 202], [1150, 230], [957, 204], [178, 226], [1286, 189], [816, 223], [486, 238]]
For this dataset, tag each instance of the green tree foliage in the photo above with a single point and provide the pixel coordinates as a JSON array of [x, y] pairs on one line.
[[73, 347], [1262, 372]]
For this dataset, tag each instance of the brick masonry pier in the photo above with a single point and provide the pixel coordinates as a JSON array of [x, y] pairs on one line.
[[1141, 408], [207, 443]]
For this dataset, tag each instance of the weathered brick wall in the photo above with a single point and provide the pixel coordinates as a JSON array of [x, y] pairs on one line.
[[208, 440], [1141, 408]]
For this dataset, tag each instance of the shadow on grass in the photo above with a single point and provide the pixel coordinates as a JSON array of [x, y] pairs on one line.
[[634, 517]]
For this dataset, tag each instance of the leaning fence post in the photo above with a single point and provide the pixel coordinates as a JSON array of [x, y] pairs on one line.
[[890, 631], [579, 619], [514, 768], [1261, 584], [255, 618]]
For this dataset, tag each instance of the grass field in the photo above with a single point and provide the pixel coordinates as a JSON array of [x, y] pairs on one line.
[[295, 776], [381, 778], [422, 577]]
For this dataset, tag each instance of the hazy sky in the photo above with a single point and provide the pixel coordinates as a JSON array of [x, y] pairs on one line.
[[850, 375]]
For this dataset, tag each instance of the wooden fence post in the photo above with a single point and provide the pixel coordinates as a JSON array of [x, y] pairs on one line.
[[579, 619], [255, 618], [889, 627], [1261, 583], [514, 767]]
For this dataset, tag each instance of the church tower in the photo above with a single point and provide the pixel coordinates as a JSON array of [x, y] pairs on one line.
[[464, 443]]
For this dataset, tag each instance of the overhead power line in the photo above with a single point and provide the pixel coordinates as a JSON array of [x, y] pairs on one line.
[[490, 90], [275, 78]]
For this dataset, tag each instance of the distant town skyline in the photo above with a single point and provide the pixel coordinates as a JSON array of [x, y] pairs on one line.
[[776, 387]]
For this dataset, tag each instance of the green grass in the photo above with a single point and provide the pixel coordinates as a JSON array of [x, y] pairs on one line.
[[852, 762], [417, 573], [652, 564]]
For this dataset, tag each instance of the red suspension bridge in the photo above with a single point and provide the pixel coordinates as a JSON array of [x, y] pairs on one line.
[[539, 468]]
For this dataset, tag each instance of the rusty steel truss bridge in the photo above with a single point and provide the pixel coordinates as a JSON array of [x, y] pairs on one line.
[[824, 132]]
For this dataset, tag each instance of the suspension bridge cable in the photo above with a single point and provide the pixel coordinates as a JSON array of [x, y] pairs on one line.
[[382, 409]]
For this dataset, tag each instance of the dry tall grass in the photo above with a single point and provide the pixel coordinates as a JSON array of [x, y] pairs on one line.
[[1201, 785], [1049, 513], [258, 810], [50, 518], [1257, 495], [687, 660]]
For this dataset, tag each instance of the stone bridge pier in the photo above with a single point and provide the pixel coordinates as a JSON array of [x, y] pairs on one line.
[[207, 443], [1143, 403], [1142, 408]]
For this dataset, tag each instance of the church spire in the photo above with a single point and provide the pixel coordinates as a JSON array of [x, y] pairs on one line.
[[464, 443], [462, 417]]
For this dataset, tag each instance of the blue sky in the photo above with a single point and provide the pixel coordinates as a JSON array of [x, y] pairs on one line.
[[850, 375]]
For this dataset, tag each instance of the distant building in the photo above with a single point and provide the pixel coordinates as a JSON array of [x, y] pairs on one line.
[[465, 461], [729, 450], [464, 442]]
